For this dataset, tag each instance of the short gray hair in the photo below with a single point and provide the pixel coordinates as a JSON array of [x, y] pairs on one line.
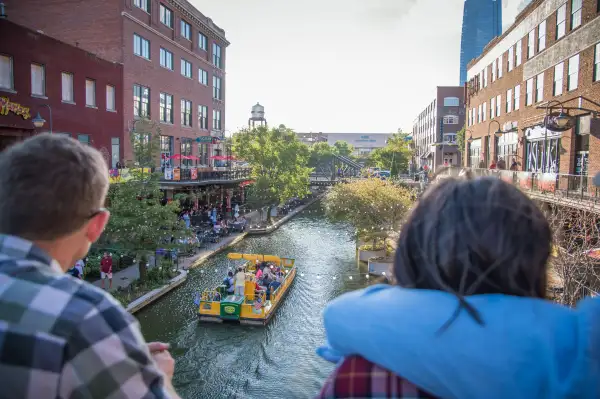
[[50, 185]]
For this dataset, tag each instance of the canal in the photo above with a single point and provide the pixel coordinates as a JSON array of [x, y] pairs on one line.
[[276, 361]]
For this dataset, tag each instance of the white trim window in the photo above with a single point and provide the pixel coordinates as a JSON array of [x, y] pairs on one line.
[[529, 92], [90, 93], [38, 80], [517, 103], [509, 100], [519, 53], [559, 73], [450, 120], [203, 117], [542, 36], [500, 69], [597, 61], [67, 87], [484, 111], [494, 70], [531, 44], [216, 119], [186, 113], [573, 78], [493, 108], [576, 8], [539, 88], [511, 58], [6, 72], [498, 104], [561, 21], [110, 98], [141, 46]]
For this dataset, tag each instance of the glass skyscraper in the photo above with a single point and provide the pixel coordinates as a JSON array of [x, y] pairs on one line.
[[482, 21]]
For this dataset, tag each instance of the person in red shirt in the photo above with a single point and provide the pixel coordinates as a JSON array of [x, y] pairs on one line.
[[106, 269]]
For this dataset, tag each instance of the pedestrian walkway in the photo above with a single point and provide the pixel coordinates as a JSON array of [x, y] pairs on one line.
[[123, 278]]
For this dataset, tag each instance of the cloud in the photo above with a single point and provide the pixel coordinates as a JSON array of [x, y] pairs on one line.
[[387, 11]]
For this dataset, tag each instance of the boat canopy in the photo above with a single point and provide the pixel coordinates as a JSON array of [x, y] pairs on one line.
[[254, 257]]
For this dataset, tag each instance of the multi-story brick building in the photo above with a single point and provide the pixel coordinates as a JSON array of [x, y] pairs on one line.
[[75, 93], [548, 60], [434, 130], [173, 60]]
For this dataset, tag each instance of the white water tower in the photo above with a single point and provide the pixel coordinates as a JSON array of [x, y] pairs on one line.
[[257, 115]]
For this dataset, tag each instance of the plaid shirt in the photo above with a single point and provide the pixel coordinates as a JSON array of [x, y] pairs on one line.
[[358, 378], [63, 338]]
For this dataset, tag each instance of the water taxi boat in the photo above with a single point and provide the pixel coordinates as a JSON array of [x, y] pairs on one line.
[[256, 306]]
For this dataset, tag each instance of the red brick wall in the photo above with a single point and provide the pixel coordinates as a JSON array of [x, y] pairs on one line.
[[27, 47], [529, 115]]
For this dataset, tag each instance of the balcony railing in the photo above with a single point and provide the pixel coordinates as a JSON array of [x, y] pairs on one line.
[[562, 187], [199, 175]]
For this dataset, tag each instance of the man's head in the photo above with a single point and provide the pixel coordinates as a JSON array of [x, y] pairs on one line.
[[52, 192]]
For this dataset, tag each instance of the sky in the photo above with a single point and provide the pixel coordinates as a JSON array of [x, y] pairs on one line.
[[354, 66]]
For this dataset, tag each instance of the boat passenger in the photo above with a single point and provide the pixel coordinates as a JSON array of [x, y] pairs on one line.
[[240, 281], [229, 283], [217, 297], [466, 316], [259, 273], [273, 287]]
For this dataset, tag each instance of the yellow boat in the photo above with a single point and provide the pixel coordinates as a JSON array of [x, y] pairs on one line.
[[255, 307]]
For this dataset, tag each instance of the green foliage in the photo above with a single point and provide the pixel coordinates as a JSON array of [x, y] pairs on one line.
[[145, 143], [279, 163], [319, 153], [343, 148], [460, 139], [372, 206], [394, 156]]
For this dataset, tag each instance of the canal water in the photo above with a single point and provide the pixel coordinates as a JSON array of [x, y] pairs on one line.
[[276, 361]]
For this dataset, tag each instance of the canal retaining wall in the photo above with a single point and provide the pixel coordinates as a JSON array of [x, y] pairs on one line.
[[153, 295]]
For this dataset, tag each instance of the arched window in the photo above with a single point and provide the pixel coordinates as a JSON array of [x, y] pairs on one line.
[[450, 120], [451, 102]]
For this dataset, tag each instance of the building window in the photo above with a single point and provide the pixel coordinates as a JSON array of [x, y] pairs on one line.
[[166, 108], [529, 92], [166, 150], [84, 138], [166, 16], [110, 98], [203, 117], [494, 69], [6, 72], [143, 4], [509, 100], [216, 120], [511, 58], [561, 21], [202, 76], [539, 88], [492, 108], [479, 114], [531, 44], [475, 153], [519, 53], [115, 144], [576, 6], [186, 150], [186, 30], [67, 87], [217, 56], [542, 36], [141, 101], [141, 47], [451, 102], [506, 147], [597, 61], [202, 41], [450, 120], [517, 103], [573, 78], [559, 73], [203, 154], [38, 80], [166, 59], [186, 113], [500, 67], [485, 77], [498, 104], [90, 93], [217, 87], [186, 68], [484, 111]]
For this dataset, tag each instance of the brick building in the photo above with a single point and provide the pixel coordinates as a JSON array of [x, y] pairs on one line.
[[173, 61], [434, 130], [548, 60], [75, 92]]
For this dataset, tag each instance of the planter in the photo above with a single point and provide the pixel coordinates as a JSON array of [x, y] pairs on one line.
[[364, 256], [378, 267]]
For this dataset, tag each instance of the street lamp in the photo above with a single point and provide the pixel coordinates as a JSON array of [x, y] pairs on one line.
[[38, 121], [497, 134]]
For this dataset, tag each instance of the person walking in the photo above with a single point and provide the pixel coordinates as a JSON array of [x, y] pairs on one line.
[[106, 264], [61, 337]]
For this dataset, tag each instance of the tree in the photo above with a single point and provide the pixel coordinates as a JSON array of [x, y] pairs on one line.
[[279, 163], [394, 156], [140, 220], [343, 148], [460, 139], [319, 152], [373, 206]]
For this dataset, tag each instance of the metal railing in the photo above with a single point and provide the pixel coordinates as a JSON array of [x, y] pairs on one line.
[[560, 186], [217, 175]]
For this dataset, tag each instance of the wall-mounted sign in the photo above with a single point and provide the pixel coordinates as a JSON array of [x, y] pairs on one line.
[[204, 139], [559, 122], [7, 106]]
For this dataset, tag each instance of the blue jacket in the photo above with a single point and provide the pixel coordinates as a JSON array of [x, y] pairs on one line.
[[527, 349]]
